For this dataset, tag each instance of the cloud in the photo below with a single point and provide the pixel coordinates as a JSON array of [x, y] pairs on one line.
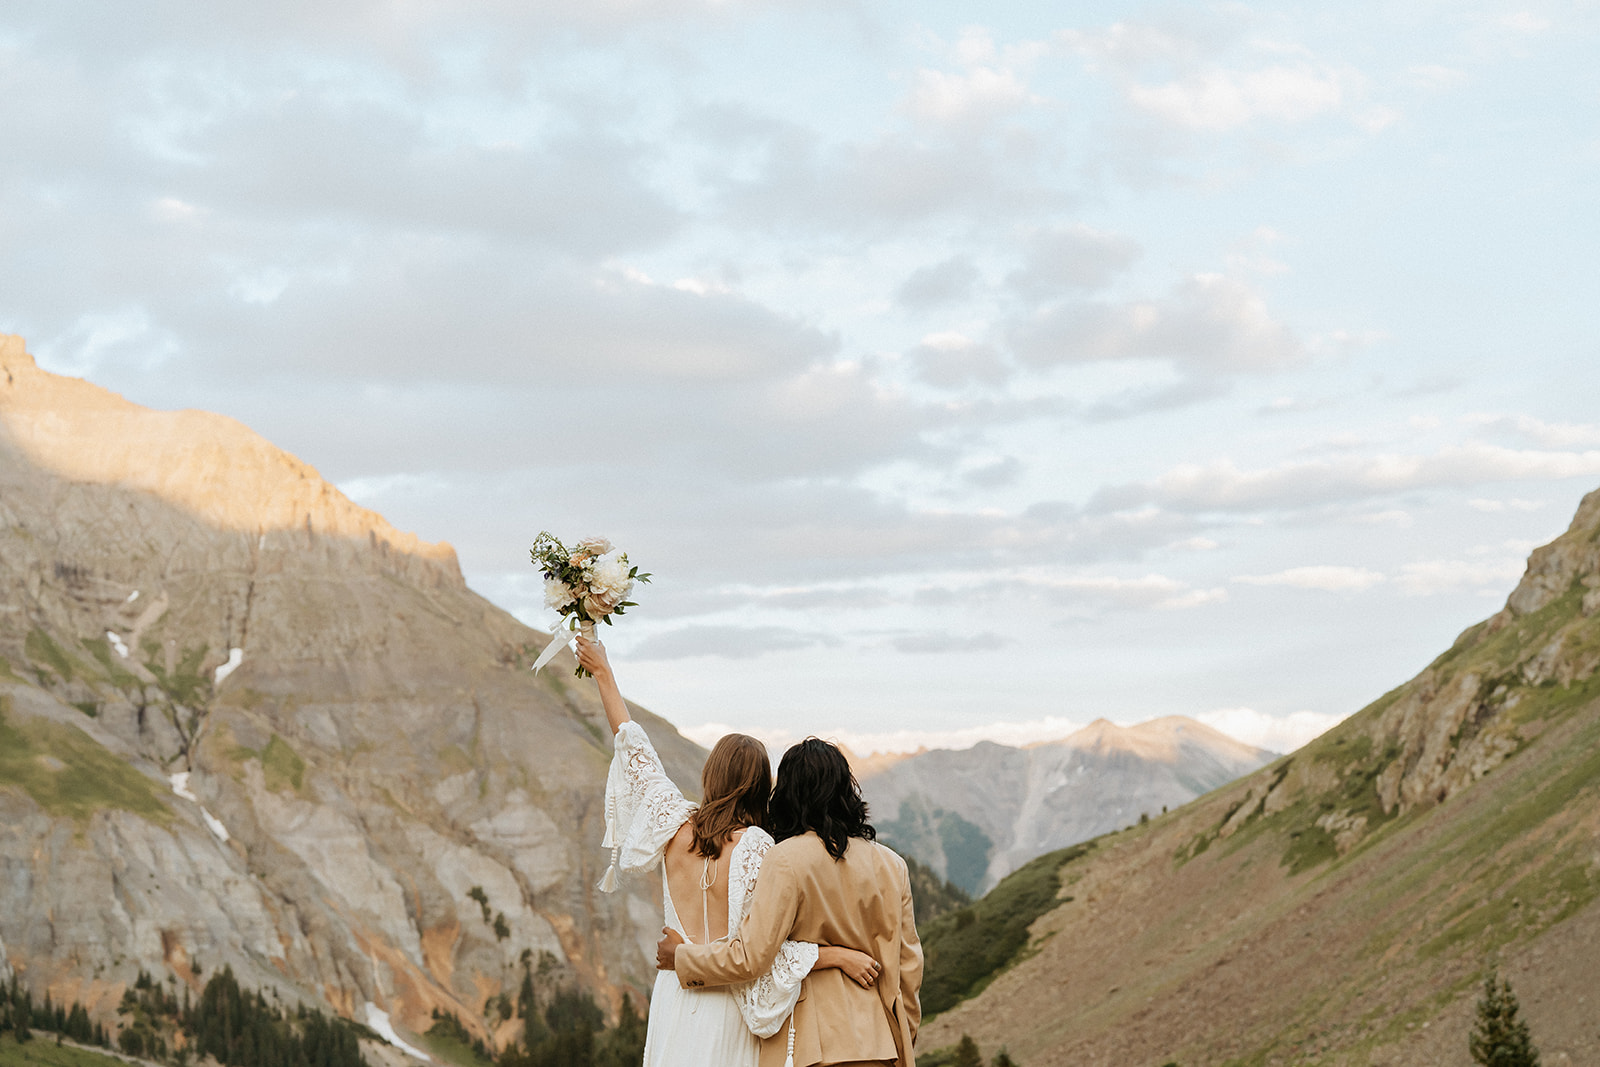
[[1558, 435], [725, 642], [1071, 258], [1150, 592], [1496, 506], [1208, 325], [1330, 579], [951, 360], [1219, 100], [972, 95], [942, 642], [1223, 486], [1433, 577], [1276, 733], [938, 284], [867, 743]]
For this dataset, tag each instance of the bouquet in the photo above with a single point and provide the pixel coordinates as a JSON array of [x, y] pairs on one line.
[[587, 584]]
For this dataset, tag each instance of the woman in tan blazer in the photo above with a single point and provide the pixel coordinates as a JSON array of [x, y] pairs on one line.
[[827, 880]]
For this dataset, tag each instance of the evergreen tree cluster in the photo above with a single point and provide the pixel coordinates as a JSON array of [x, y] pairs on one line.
[[238, 1028], [22, 1017], [965, 1053], [1501, 1038], [562, 1026]]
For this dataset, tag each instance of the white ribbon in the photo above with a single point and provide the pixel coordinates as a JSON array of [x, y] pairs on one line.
[[563, 637]]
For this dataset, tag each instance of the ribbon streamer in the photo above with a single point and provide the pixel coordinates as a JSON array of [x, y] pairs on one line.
[[563, 637]]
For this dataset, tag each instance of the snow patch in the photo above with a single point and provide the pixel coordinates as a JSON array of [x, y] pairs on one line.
[[235, 657], [214, 824], [117, 643], [132, 597], [378, 1021], [180, 785]]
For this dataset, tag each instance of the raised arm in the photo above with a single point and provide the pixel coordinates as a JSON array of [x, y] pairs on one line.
[[592, 655]]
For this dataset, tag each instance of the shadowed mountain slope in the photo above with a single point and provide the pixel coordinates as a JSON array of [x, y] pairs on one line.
[[382, 807], [975, 815], [1340, 905]]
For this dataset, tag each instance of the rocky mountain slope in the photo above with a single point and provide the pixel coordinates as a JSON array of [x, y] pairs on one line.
[[1341, 905], [975, 815], [245, 722]]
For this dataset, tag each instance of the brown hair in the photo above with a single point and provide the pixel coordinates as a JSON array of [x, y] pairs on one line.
[[735, 787]]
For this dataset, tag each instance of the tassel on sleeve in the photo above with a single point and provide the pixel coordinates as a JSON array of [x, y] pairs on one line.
[[608, 884], [788, 1060]]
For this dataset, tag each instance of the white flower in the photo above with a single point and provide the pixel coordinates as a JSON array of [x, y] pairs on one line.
[[557, 594], [609, 578]]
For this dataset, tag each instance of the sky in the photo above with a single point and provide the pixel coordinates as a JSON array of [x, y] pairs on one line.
[[960, 371]]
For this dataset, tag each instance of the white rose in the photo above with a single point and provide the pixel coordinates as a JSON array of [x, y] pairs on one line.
[[557, 594], [609, 577]]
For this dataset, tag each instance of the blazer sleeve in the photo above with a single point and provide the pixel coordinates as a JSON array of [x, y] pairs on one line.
[[910, 956], [775, 904]]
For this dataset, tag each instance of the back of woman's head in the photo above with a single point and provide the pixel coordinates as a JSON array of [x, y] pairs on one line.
[[816, 792], [735, 787]]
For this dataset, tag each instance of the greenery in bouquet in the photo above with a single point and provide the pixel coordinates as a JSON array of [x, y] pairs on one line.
[[587, 583]]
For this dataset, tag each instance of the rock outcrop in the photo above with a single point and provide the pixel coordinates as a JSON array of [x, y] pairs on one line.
[[246, 722]]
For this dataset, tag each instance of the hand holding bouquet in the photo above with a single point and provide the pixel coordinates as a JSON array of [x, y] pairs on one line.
[[587, 584]]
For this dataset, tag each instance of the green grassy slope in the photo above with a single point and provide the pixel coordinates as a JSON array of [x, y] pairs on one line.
[[1341, 905]]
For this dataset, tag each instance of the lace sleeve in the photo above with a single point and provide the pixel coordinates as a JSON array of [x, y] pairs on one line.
[[766, 1002], [643, 807]]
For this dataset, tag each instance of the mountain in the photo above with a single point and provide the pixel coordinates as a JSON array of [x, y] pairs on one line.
[[1341, 905], [975, 815], [246, 722]]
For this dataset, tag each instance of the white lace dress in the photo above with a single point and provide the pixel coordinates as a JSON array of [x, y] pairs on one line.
[[694, 1027]]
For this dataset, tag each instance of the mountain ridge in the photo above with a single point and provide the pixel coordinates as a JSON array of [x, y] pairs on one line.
[[364, 744], [975, 814]]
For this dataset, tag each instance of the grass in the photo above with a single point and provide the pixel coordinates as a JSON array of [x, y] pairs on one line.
[[43, 1051], [67, 772], [42, 650], [281, 765], [185, 684], [100, 649], [449, 1049], [967, 948]]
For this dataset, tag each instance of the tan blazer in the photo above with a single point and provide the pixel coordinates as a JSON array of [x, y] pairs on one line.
[[862, 901]]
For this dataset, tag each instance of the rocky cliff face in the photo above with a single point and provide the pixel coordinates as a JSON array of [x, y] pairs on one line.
[[244, 721], [975, 815]]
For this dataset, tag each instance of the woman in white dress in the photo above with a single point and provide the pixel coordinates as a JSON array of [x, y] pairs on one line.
[[710, 855]]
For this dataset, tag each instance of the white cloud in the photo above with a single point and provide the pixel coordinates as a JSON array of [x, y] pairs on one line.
[[1277, 733], [1221, 100], [869, 742], [1209, 324], [1437, 78], [976, 94], [1546, 434], [1525, 22], [1432, 577], [1330, 579], [1151, 592], [1495, 506], [1223, 486]]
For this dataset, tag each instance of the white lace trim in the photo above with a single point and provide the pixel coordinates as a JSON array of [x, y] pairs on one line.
[[769, 1000], [643, 806]]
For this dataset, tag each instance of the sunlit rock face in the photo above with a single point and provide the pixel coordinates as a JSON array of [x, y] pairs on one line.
[[975, 815], [366, 752]]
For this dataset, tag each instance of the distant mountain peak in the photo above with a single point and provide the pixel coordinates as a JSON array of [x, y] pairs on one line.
[[209, 465]]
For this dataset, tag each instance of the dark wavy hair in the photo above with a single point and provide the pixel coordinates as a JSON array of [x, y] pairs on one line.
[[817, 792]]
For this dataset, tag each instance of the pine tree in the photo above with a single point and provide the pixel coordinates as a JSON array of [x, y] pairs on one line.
[[1501, 1039], [967, 1054], [1002, 1059]]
